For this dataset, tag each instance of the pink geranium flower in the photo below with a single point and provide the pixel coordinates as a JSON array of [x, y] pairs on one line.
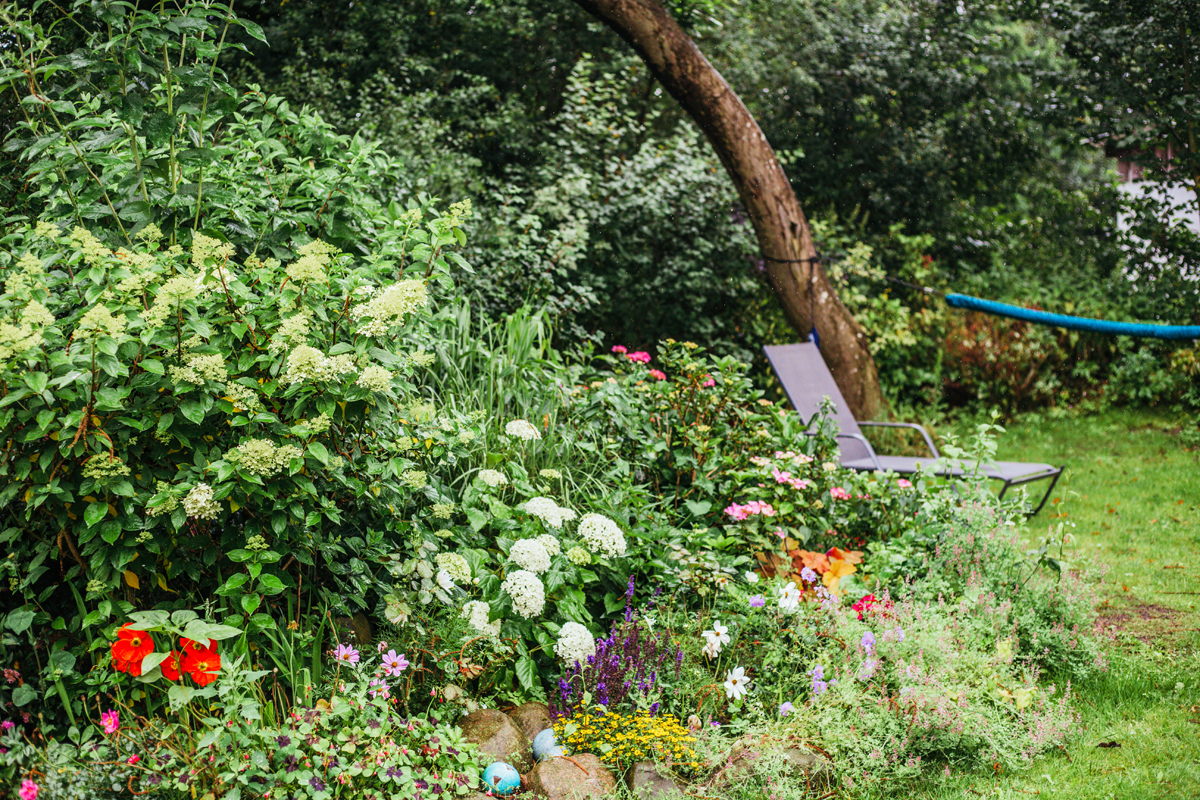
[[709, 382], [838, 493], [904, 483], [641, 356], [619, 348], [658, 375]]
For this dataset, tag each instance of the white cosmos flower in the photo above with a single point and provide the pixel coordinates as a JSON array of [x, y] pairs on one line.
[[789, 598], [751, 576], [736, 683], [719, 634], [444, 579]]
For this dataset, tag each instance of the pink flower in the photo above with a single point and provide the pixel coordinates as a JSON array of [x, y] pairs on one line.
[[6, 726], [781, 534], [904, 483], [709, 381], [133, 759], [838, 493], [394, 664], [759, 507], [658, 375], [781, 477], [640, 356], [619, 348], [346, 653], [800, 483], [739, 513], [110, 721], [29, 790]]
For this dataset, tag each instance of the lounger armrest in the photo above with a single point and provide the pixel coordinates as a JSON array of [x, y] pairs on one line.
[[858, 437], [915, 426]]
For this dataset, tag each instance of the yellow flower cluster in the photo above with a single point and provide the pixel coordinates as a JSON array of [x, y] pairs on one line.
[[622, 739]]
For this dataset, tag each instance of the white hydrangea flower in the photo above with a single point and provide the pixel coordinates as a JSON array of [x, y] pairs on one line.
[[522, 429], [602, 535], [579, 557], [527, 593], [575, 643], [493, 477], [548, 511], [551, 544], [530, 554], [199, 502], [455, 565], [476, 612]]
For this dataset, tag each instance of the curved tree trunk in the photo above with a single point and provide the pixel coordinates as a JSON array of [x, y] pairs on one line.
[[783, 237]]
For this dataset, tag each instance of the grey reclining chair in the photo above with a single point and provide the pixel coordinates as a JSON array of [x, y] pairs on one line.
[[807, 381]]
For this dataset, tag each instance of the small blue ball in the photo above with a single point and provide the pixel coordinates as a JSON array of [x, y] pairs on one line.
[[545, 745], [501, 778]]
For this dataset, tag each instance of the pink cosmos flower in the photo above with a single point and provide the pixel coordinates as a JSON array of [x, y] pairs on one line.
[[838, 493], [29, 790], [619, 348], [640, 356], [658, 375], [133, 759], [346, 653], [904, 483], [394, 664], [110, 721]]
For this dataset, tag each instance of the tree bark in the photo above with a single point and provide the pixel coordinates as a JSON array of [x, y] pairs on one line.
[[784, 239]]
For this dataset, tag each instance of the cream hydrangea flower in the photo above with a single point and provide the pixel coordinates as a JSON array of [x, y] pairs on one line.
[[389, 307], [579, 557], [550, 543], [548, 511], [375, 378], [527, 593], [602, 535], [476, 612], [199, 502], [522, 429], [575, 643], [454, 564], [314, 257], [530, 554], [262, 457], [308, 364], [493, 477]]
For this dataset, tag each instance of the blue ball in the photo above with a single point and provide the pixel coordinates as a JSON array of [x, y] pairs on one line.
[[501, 778], [545, 745]]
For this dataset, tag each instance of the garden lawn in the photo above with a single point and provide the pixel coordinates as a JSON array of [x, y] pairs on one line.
[[1133, 494]]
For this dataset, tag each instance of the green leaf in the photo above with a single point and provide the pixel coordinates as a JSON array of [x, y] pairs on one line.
[[234, 583], [36, 381], [253, 29], [250, 602], [95, 512], [527, 674], [19, 620], [270, 584], [192, 410], [23, 694]]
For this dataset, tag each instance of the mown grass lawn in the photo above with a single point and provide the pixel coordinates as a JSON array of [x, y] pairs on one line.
[[1133, 495]]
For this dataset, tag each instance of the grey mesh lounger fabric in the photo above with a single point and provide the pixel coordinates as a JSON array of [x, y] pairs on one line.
[[807, 381]]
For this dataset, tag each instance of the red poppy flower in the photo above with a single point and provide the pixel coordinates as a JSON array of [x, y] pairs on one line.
[[201, 664], [131, 646], [188, 645], [171, 666], [134, 668]]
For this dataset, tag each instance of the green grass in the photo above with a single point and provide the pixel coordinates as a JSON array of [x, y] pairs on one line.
[[1132, 492]]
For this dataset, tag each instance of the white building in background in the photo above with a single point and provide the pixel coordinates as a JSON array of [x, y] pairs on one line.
[[1180, 199]]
